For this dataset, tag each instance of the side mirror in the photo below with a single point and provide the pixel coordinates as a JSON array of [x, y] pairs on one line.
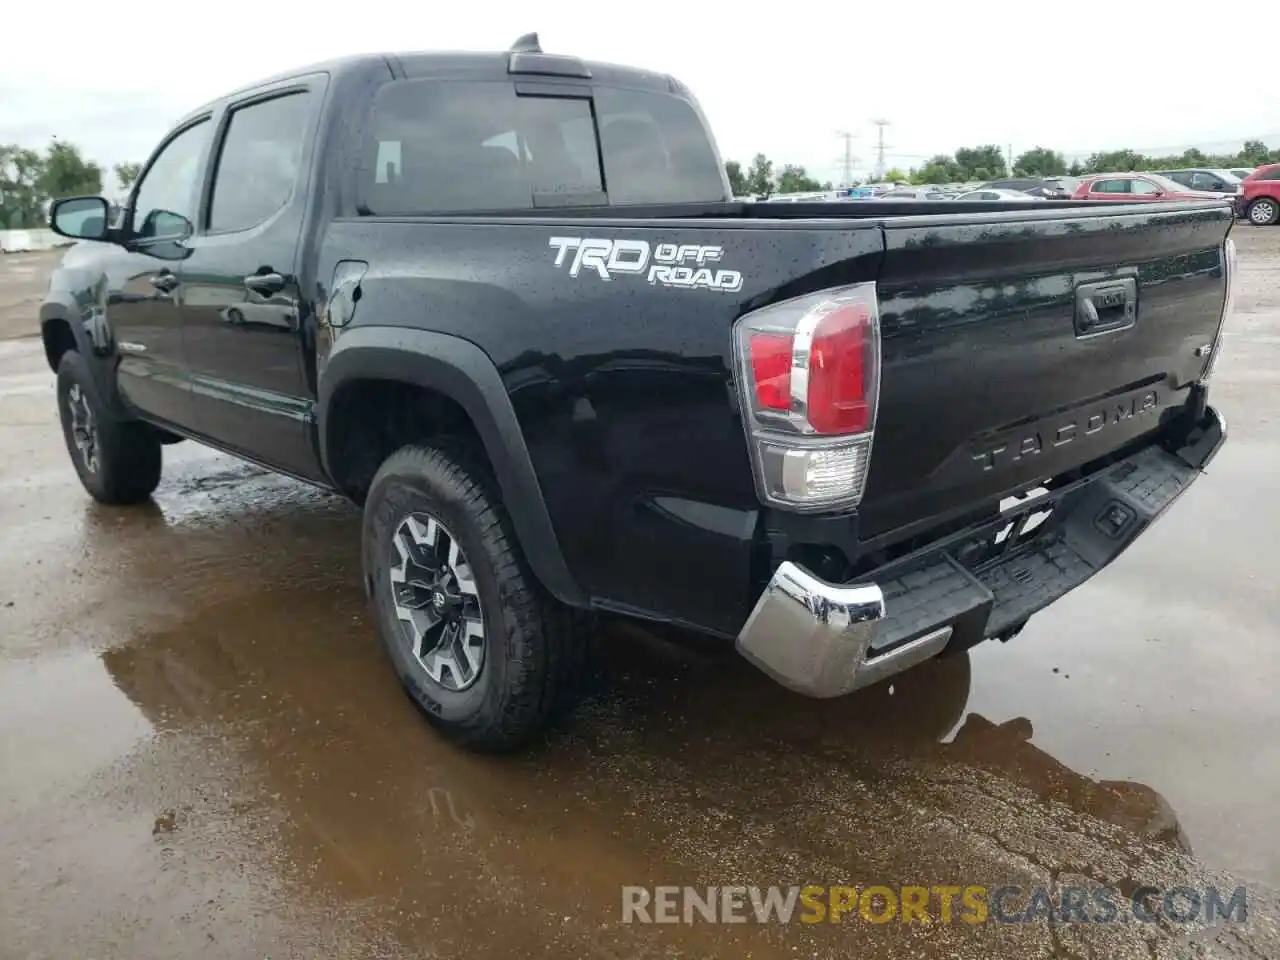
[[163, 225], [80, 218]]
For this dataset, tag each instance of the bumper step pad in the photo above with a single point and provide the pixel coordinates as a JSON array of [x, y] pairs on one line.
[[1032, 579], [1088, 528], [925, 596]]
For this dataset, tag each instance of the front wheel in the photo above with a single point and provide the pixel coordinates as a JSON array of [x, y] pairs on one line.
[[118, 460], [1264, 212], [473, 637]]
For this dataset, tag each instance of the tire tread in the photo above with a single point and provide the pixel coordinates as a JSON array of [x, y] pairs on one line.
[[545, 642], [129, 452]]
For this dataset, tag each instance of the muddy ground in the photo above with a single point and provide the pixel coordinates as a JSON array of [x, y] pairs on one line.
[[203, 753]]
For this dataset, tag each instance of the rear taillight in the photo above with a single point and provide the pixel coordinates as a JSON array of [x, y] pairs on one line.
[[1230, 268], [809, 369]]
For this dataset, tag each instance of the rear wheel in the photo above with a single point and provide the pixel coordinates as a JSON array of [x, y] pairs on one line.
[[118, 460], [475, 640], [1264, 212]]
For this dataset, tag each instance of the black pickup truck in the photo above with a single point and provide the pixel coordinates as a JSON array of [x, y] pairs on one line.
[[507, 303]]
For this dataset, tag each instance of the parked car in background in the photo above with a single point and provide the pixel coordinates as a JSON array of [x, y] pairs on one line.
[[1137, 187], [916, 193], [1066, 183], [1032, 186], [1242, 174], [996, 195], [1222, 182], [1259, 200]]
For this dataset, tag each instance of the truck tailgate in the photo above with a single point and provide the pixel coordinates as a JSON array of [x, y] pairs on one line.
[[1020, 348]]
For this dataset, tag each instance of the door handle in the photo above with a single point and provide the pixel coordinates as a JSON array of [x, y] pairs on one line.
[[165, 281], [1106, 307], [268, 284]]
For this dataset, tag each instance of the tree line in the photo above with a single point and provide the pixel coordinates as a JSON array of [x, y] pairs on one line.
[[988, 162], [32, 179]]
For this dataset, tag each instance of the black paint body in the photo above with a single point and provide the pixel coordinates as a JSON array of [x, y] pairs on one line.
[[608, 408]]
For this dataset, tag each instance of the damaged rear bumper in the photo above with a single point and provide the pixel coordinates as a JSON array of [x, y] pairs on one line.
[[825, 639]]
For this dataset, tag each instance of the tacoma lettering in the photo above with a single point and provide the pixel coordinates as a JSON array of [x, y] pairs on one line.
[[1007, 453]]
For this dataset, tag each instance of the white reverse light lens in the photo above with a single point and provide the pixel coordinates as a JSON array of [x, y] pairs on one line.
[[814, 476]]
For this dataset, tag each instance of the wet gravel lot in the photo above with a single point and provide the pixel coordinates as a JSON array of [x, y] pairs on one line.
[[203, 753]]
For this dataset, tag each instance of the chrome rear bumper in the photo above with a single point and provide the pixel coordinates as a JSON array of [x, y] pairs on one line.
[[815, 637], [825, 639]]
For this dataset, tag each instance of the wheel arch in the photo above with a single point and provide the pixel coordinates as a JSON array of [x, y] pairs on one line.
[[57, 337], [61, 330], [463, 375]]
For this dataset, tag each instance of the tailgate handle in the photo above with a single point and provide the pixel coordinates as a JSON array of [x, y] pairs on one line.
[[1106, 307]]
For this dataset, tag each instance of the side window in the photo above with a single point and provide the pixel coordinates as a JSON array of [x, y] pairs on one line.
[[444, 146], [169, 185], [258, 163], [1110, 186], [1143, 187], [1273, 174]]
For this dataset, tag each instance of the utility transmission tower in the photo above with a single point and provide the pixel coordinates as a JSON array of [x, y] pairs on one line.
[[880, 125], [847, 161]]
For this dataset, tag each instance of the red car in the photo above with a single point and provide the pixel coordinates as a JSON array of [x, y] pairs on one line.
[[1136, 187], [1259, 201]]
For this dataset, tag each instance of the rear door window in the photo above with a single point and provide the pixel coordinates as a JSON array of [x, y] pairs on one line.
[[463, 146], [438, 147], [1110, 186]]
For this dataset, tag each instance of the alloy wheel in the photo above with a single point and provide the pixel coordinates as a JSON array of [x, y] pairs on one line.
[[1263, 212], [84, 429], [436, 601]]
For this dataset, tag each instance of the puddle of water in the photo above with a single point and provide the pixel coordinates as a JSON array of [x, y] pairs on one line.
[[63, 720]]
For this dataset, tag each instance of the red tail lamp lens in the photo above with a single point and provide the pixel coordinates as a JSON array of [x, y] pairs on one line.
[[839, 371], [771, 369]]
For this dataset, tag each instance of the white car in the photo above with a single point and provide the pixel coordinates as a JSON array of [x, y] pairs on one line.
[[996, 195]]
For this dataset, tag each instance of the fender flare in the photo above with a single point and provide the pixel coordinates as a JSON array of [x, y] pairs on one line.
[[463, 372], [99, 359]]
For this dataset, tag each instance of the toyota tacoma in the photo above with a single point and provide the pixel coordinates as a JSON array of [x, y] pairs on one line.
[[508, 305]]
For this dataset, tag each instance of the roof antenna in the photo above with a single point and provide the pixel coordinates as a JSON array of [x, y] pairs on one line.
[[527, 44]]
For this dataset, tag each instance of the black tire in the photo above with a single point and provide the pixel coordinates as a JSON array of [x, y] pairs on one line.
[[122, 465], [533, 646], [1257, 215]]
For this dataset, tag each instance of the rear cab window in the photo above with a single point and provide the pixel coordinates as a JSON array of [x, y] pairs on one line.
[[446, 146]]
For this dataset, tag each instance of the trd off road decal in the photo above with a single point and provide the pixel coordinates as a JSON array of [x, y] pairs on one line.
[[684, 265]]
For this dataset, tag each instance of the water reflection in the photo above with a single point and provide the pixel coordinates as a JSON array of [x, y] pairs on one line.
[[684, 764]]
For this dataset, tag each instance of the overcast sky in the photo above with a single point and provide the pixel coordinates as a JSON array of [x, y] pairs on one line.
[[774, 78]]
